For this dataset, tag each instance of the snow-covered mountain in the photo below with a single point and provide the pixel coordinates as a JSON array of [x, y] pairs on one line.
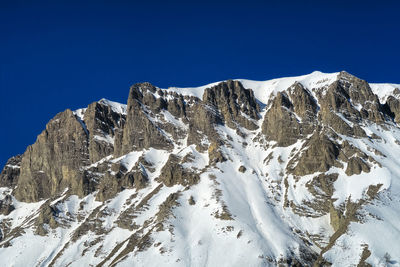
[[299, 171]]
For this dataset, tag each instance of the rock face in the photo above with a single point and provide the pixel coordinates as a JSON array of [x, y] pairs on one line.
[[54, 162], [102, 123], [392, 105], [173, 173], [291, 116], [202, 123], [140, 131], [6, 205], [10, 173], [236, 104], [319, 155], [287, 172], [281, 124]]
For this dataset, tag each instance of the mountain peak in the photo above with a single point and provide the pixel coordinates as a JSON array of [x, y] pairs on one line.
[[294, 171]]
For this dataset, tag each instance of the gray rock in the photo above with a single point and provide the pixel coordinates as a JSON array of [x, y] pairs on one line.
[[53, 163]]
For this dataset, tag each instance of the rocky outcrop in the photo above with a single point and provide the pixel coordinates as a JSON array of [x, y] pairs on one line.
[[281, 123], [6, 205], [46, 219], [120, 178], [291, 116], [392, 105], [236, 104], [102, 123], [184, 156], [242, 169], [202, 120], [10, 173], [215, 154], [174, 173], [176, 106], [140, 131], [303, 103], [318, 154], [353, 100], [53, 163], [356, 160], [361, 96]]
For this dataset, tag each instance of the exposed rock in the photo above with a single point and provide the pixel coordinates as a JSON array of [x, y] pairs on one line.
[[173, 173], [338, 124], [242, 169], [322, 188], [53, 163], [111, 184], [46, 220], [224, 214], [340, 220], [215, 155], [235, 103], [354, 100], [304, 104], [364, 256], [139, 131], [191, 201], [318, 154], [6, 205], [392, 107], [202, 121], [281, 124], [356, 159], [176, 106], [102, 122], [361, 94], [10, 173], [165, 209], [356, 165], [86, 152], [108, 187]]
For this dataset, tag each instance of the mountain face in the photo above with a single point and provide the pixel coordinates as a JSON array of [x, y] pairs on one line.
[[300, 171]]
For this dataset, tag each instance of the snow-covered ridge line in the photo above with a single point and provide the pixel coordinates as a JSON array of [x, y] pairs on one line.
[[384, 90], [263, 89], [115, 106], [329, 195]]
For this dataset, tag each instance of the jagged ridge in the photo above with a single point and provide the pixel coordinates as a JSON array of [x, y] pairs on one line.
[[282, 171]]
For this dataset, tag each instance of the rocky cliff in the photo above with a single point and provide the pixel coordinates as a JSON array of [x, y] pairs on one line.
[[299, 171]]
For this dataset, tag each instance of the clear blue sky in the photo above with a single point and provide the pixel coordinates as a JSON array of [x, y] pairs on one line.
[[56, 55]]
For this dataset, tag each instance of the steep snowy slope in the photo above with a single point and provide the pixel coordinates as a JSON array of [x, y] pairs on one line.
[[296, 171]]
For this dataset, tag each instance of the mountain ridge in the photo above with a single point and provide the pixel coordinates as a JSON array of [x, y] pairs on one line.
[[287, 171]]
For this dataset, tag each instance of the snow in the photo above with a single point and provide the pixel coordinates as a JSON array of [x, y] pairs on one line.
[[354, 187], [263, 89], [171, 119], [191, 91], [130, 159], [193, 235], [80, 113], [115, 106], [105, 138], [157, 158], [12, 166], [383, 90]]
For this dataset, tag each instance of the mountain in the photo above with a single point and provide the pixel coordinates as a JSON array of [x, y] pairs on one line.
[[299, 171]]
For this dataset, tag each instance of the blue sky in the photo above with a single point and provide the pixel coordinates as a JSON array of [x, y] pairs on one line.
[[64, 54]]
